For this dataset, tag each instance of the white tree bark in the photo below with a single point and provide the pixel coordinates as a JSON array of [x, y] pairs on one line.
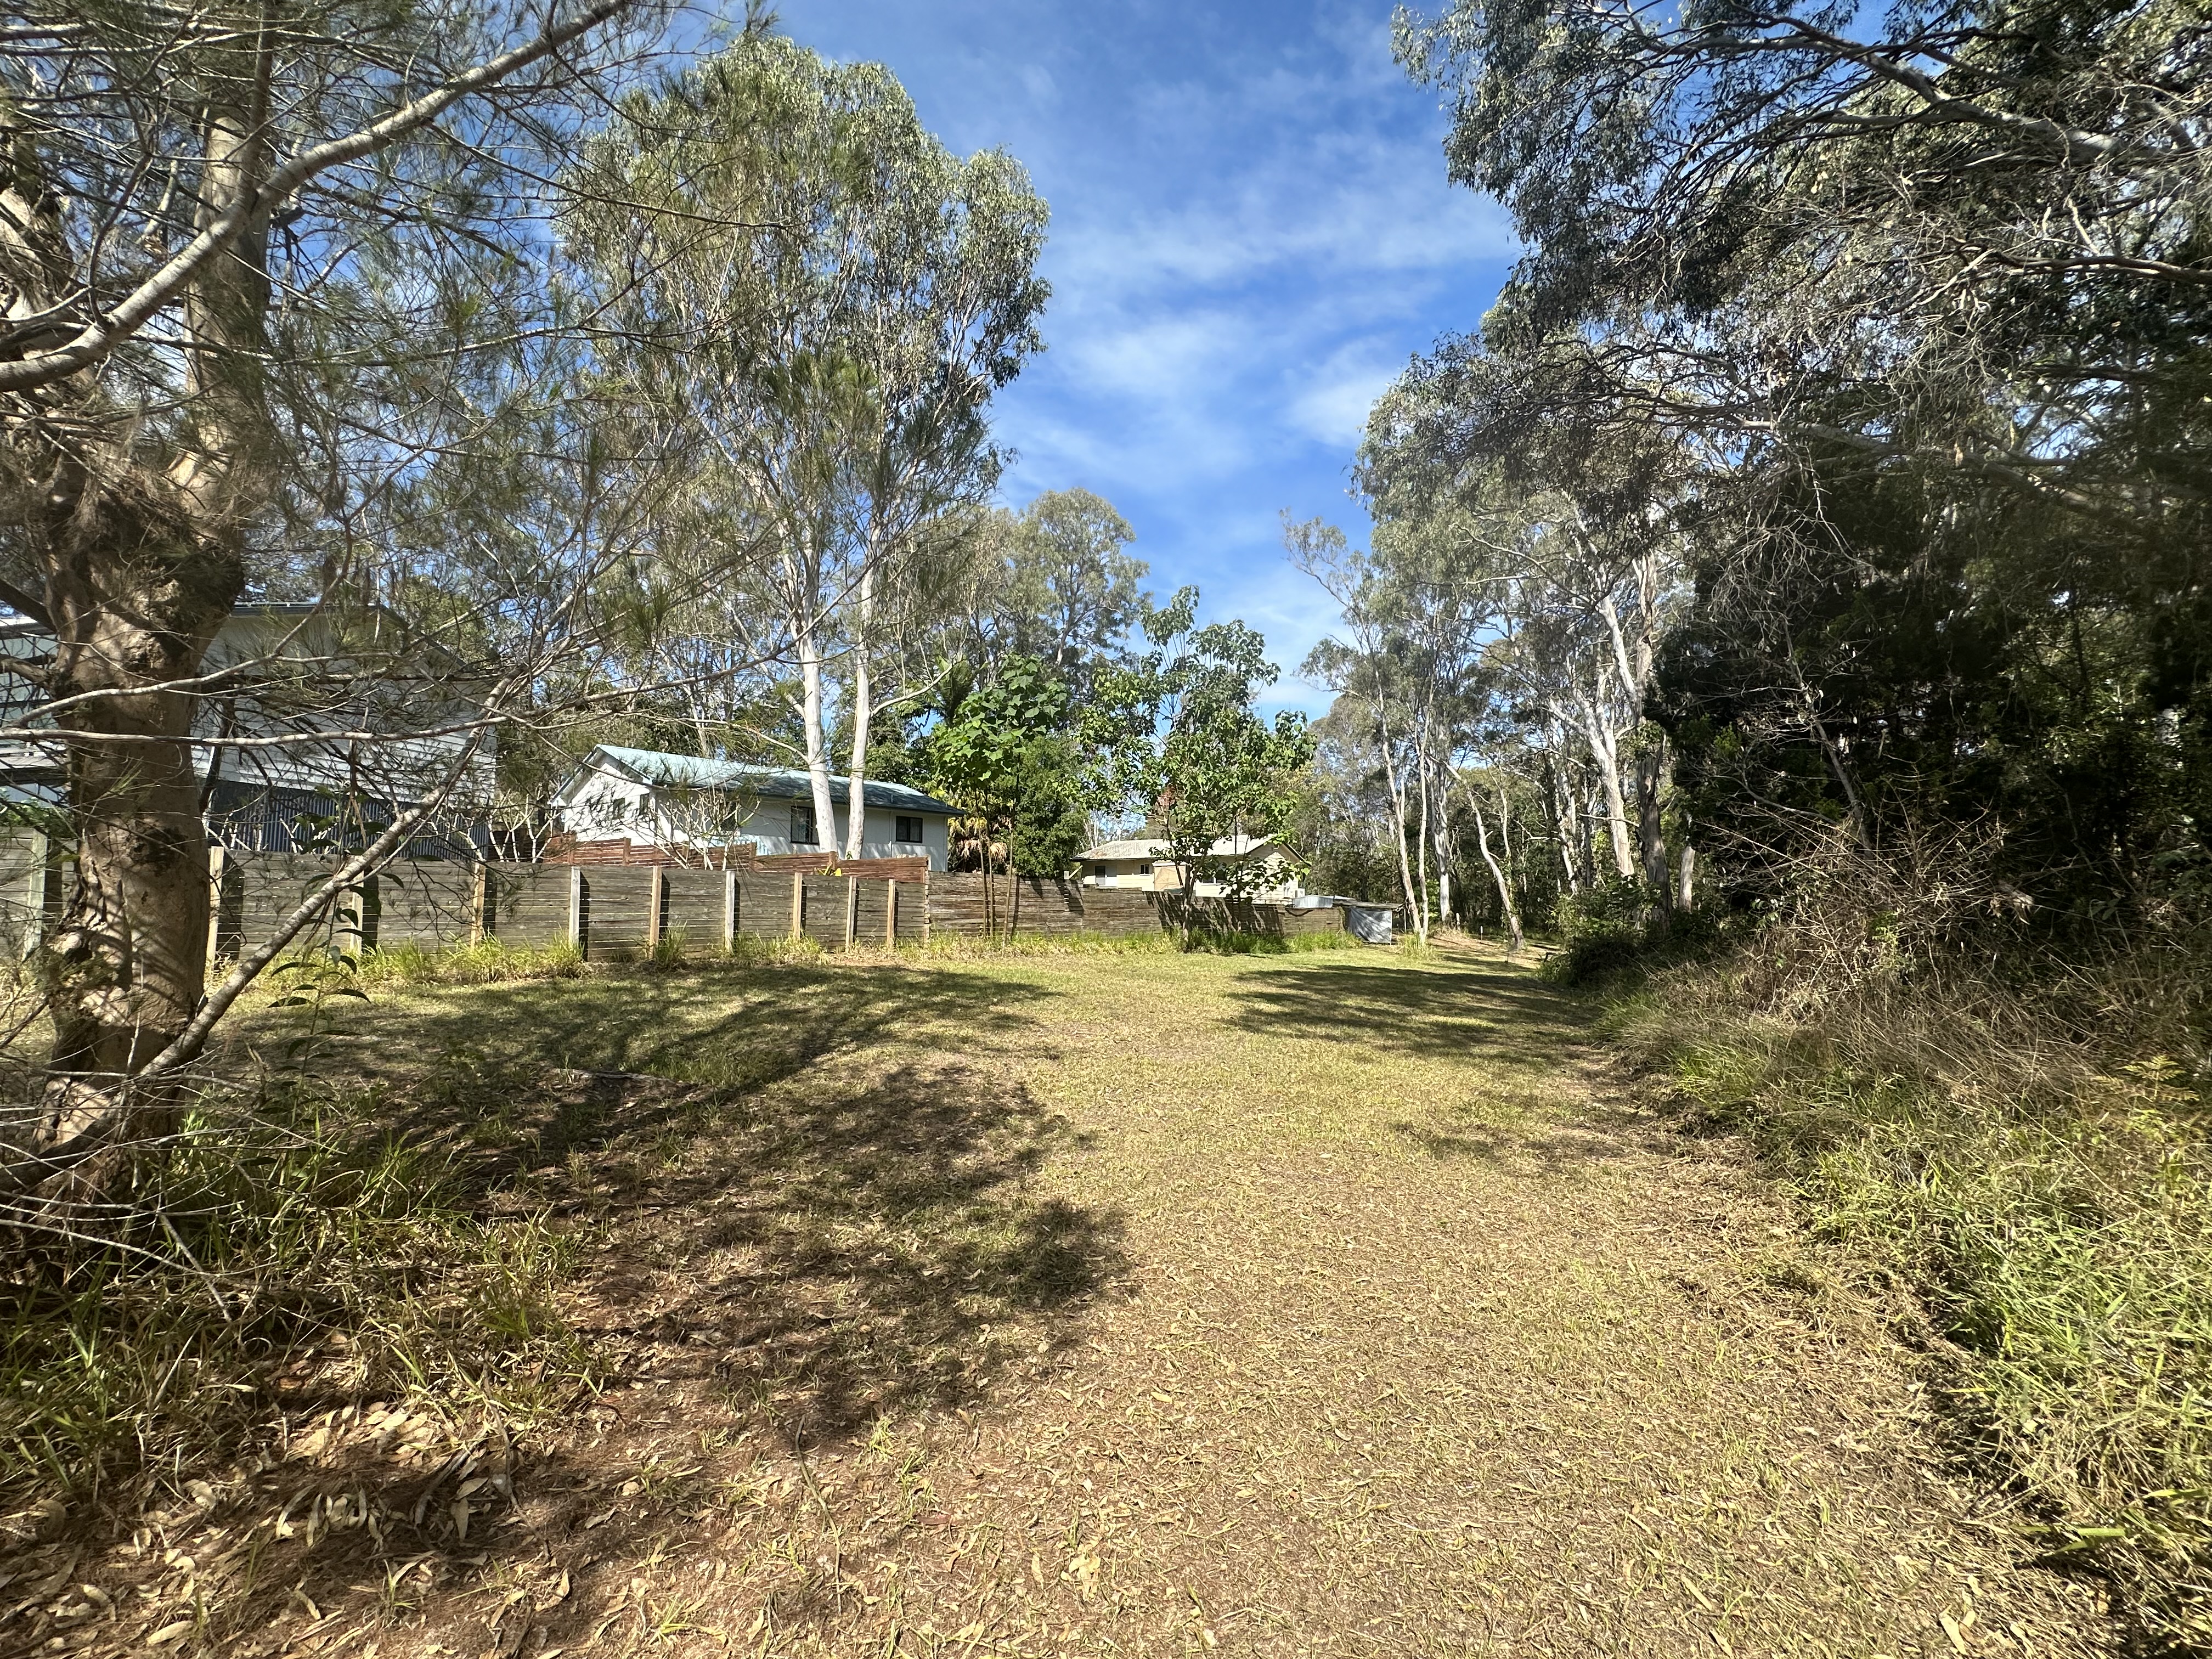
[[863, 713], [1497, 874], [1605, 748]]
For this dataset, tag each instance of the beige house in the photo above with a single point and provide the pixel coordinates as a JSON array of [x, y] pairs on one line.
[[1147, 865]]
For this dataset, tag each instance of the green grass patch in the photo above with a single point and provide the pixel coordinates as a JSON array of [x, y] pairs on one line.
[[2043, 1197], [488, 962]]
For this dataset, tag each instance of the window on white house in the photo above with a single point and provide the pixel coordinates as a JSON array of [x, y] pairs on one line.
[[802, 826], [1144, 869], [908, 829]]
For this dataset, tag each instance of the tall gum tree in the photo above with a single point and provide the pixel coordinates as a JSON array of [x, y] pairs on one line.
[[829, 298]]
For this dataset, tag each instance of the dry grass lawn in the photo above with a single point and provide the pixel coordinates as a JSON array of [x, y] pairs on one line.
[[1104, 1305]]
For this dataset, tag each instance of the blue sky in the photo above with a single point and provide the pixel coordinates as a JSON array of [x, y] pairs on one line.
[[1251, 234]]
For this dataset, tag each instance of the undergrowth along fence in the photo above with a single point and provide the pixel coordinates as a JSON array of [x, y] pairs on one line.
[[614, 913]]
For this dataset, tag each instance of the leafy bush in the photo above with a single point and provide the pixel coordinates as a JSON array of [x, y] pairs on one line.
[[1612, 930]]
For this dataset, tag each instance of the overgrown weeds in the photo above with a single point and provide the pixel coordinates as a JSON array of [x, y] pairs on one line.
[[2018, 1140], [290, 1257], [486, 962]]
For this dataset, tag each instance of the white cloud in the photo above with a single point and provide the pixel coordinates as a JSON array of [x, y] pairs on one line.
[[1252, 232], [1333, 408]]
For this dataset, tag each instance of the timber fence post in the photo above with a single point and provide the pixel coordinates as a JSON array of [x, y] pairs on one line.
[[214, 907], [798, 902], [852, 911], [576, 906], [729, 908], [890, 914]]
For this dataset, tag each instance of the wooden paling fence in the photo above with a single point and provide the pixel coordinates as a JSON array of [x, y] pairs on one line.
[[614, 912]]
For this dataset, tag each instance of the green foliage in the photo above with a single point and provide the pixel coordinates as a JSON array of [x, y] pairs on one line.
[[1943, 572], [487, 962], [1006, 757], [1176, 735], [1603, 930], [1061, 589]]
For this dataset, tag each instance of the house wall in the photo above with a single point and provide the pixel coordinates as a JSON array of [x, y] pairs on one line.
[[606, 806], [1124, 872]]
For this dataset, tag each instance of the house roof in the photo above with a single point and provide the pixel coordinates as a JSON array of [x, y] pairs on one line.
[[1108, 850], [1230, 846], [667, 771]]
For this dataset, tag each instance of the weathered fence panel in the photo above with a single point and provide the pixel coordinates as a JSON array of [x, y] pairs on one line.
[[262, 889], [764, 905], [823, 917], [526, 905], [871, 914], [693, 907], [432, 904], [617, 913], [1030, 904], [614, 913], [1241, 916], [30, 890]]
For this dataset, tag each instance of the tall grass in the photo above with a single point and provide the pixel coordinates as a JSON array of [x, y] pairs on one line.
[[486, 962], [2016, 1138], [291, 1256]]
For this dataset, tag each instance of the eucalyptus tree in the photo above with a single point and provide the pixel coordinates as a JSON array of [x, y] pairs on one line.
[[1065, 590], [1585, 562], [244, 252], [1920, 299], [796, 271], [1905, 213]]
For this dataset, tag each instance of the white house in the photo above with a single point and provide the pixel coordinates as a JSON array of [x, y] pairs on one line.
[[659, 799], [1148, 864]]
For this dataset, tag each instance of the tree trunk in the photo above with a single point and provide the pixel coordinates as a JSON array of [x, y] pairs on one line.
[[817, 749], [1421, 839], [1685, 890], [1396, 781], [142, 563], [134, 502], [1564, 806], [1559, 801], [863, 711], [1604, 743], [1586, 834], [1651, 771], [134, 608], [1504, 888], [1616, 800]]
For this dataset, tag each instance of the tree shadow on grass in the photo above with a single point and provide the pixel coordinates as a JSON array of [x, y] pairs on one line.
[[822, 1259], [820, 1189], [1462, 1007], [779, 1252]]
